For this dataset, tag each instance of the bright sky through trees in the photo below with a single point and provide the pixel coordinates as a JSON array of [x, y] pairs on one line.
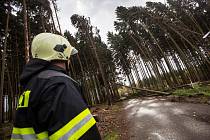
[[101, 12]]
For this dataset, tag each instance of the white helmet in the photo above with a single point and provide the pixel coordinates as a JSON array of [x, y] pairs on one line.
[[48, 46]]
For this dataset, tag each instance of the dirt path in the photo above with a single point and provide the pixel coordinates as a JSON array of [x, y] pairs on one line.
[[154, 119]]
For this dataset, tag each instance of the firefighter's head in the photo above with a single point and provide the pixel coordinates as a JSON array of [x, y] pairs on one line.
[[52, 47]]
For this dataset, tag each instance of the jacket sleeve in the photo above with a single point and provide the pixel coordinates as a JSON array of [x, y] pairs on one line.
[[64, 114]]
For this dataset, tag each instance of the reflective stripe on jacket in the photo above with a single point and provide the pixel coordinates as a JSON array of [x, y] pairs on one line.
[[73, 130]]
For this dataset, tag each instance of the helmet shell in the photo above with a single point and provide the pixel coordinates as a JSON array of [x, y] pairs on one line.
[[48, 46]]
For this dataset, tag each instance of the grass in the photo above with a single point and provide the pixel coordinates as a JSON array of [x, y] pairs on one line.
[[197, 89], [112, 136]]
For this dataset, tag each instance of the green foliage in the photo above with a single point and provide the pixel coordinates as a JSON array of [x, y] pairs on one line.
[[197, 89]]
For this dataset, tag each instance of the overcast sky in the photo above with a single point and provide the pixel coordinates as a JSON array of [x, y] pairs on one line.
[[101, 12]]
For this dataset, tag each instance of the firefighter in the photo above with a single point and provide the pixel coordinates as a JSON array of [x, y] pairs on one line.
[[51, 106]]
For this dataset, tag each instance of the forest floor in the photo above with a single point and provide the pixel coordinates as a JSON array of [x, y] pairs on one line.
[[155, 118]]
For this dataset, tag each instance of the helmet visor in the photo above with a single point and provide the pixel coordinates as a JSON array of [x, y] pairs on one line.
[[74, 51]]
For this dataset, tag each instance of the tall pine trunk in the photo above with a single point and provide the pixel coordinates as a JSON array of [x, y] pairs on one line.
[[26, 40], [55, 10], [3, 67]]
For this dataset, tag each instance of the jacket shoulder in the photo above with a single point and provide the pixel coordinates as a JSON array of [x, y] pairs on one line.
[[51, 73], [47, 74]]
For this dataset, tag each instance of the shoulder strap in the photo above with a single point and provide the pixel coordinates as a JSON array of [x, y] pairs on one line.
[[51, 73]]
